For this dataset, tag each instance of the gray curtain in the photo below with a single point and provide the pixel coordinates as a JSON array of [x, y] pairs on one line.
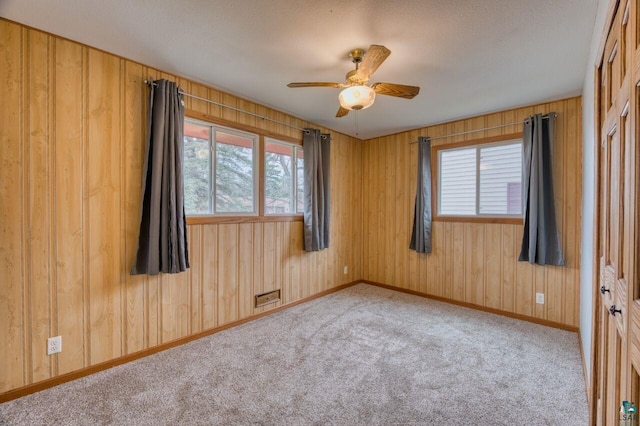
[[540, 241], [162, 242], [317, 194], [421, 234]]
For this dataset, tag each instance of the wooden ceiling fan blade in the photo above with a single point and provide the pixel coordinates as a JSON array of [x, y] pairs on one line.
[[397, 90], [342, 112], [372, 60], [316, 84]]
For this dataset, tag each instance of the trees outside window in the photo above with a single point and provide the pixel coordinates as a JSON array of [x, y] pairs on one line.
[[219, 170], [221, 167], [283, 178]]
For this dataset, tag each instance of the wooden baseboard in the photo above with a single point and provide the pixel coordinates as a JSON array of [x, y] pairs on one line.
[[67, 377], [478, 307], [73, 375]]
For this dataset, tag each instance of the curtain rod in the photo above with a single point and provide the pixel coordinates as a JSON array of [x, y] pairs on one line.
[[232, 108], [482, 130]]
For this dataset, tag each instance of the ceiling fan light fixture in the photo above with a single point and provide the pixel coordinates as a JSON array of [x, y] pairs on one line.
[[357, 97]]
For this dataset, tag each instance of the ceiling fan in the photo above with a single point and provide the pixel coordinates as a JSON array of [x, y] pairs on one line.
[[357, 94]]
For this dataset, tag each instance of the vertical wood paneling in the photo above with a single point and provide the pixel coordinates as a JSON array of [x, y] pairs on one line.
[[24, 200], [133, 157], [459, 261], [227, 273], [474, 259], [195, 275], [285, 260], [183, 305], [269, 259], [78, 131], [493, 266], [208, 305], [39, 219], [508, 257], [379, 170], [524, 282], [447, 240], [258, 262], [539, 285], [297, 259], [400, 208], [245, 270], [354, 242], [389, 203], [12, 372], [473, 262], [365, 228], [68, 202], [168, 319], [104, 167], [51, 189]]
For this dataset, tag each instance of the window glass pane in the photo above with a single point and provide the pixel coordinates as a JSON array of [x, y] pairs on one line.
[[234, 173], [458, 182], [278, 189], [501, 179], [197, 169], [300, 181]]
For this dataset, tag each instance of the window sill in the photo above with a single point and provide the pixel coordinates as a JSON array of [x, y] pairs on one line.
[[201, 220], [479, 219]]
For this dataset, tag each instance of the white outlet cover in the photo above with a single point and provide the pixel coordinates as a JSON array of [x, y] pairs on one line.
[[54, 345], [346, 270], [540, 298]]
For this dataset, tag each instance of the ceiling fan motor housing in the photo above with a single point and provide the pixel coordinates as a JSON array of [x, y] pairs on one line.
[[353, 78], [356, 55]]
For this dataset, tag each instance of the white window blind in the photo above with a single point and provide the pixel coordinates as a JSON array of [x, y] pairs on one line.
[[458, 182], [501, 179], [482, 180]]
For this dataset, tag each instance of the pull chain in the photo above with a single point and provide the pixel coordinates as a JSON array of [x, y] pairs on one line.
[[356, 119]]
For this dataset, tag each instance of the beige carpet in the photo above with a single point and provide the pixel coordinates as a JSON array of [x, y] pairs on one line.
[[361, 356]]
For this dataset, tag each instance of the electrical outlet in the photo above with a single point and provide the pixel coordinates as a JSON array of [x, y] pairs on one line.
[[346, 270], [54, 345], [540, 298]]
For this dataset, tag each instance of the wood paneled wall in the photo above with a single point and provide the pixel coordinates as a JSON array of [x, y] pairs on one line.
[[72, 122], [473, 262], [71, 152]]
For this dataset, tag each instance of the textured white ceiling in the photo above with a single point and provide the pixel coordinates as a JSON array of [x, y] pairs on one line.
[[468, 56]]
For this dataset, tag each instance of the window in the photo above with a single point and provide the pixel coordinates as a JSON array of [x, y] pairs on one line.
[[284, 174], [482, 180], [220, 173]]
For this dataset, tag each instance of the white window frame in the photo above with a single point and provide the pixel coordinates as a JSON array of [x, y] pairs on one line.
[[478, 147], [294, 176], [213, 130]]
